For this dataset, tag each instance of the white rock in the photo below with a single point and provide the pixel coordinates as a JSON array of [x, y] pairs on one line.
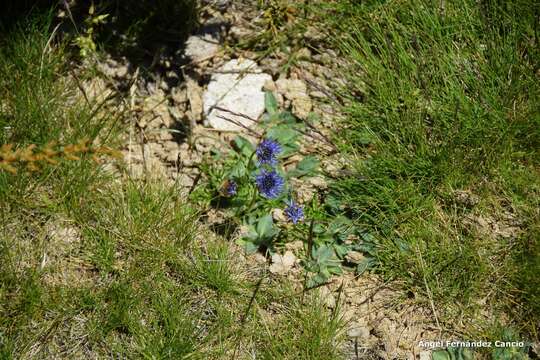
[[201, 47], [358, 331], [282, 264], [236, 86]]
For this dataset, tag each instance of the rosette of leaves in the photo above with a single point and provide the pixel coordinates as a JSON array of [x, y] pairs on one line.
[[261, 233], [331, 243], [453, 353], [324, 263], [510, 353]]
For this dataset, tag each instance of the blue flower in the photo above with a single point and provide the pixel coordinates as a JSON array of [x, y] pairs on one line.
[[270, 184], [229, 188], [267, 152], [294, 212]]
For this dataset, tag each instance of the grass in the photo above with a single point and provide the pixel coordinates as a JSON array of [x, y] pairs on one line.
[[443, 100], [95, 265]]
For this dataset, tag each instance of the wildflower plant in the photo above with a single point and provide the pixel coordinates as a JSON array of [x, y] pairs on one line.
[[254, 179]]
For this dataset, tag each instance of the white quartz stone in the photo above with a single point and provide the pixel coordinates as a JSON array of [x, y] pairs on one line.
[[236, 86]]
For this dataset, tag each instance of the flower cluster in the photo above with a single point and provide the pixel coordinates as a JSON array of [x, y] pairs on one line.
[[294, 212], [269, 182], [267, 152]]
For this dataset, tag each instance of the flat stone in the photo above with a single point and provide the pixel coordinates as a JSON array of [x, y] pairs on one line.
[[201, 47], [282, 264], [237, 87], [358, 330]]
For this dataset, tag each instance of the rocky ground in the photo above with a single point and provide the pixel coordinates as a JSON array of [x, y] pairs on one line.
[[198, 98]]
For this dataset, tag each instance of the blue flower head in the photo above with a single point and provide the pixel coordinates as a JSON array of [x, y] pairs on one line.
[[294, 212], [267, 152], [270, 184]]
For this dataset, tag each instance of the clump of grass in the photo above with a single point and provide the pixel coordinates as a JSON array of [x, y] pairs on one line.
[[41, 105], [444, 98], [303, 334]]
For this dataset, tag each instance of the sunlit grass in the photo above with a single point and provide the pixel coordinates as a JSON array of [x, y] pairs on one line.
[[444, 98]]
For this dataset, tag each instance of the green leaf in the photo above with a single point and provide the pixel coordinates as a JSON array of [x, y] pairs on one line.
[[316, 280], [334, 204], [440, 355], [341, 250], [364, 264], [270, 103], [260, 234], [323, 253], [284, 134], [252, 233], [265, 227], [243, 146], [365, 138], [313, 118], [238, 170], [452, 353], [325, 273], [307, 166], [318, 229], [335, 269], [287, 117], [248, 246]]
